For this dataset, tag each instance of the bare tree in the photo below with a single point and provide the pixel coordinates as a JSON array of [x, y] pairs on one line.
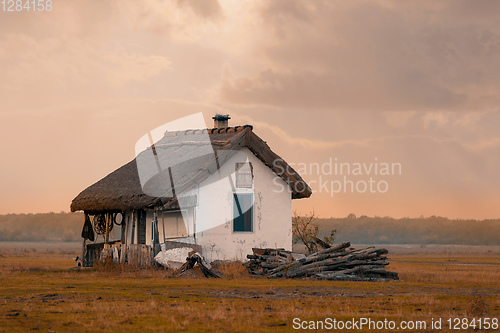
[[306, 232]]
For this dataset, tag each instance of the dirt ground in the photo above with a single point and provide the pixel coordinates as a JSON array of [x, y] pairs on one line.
[[40, 292]]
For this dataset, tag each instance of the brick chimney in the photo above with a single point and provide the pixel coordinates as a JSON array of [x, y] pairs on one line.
[[221, 120]]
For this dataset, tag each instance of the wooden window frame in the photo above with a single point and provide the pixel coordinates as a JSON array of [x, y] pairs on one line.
[[242, 215], [244, 175]]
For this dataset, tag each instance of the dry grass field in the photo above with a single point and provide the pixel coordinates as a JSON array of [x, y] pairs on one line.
[[39, 292]]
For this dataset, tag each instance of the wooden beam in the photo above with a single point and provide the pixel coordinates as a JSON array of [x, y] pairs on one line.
[[134, 228], [108, 220], [84, 245], [124, 229]]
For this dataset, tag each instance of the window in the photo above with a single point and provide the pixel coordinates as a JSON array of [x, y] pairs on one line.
[[242, 212], [173, 225], [244, 174]]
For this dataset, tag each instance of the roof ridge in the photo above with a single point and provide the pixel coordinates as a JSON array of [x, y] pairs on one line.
[[208, 131]]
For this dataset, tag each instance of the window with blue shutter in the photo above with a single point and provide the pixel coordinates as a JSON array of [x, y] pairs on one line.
[[242, 212]]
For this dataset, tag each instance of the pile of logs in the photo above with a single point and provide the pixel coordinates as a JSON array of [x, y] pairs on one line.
[[340, 262], [262, 260]]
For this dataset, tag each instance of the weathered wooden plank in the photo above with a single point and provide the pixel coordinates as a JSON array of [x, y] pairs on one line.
[[84, 252], [116, 253], [108, 220], [123, 253]]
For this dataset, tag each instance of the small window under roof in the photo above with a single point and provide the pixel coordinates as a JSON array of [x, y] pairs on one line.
[[244, 175]]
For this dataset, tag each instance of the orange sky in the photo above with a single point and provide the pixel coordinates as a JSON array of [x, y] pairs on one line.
[[413, 82]]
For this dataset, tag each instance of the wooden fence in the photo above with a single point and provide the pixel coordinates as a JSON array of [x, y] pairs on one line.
[[133, 254]]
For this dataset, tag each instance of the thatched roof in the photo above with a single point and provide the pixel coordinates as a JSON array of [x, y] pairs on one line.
[[121, 189]]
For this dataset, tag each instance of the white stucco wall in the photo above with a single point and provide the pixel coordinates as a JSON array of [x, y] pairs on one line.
[[272, 212], [212, 217]]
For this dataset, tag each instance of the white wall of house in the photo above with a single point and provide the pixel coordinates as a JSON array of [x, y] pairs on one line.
[[272, 212], [212, 218]]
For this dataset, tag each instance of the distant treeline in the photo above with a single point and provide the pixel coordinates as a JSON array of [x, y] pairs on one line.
[[430, 230], [67, 227], [61, 227]]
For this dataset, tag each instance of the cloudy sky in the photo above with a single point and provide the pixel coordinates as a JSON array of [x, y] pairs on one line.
[[409, 82]]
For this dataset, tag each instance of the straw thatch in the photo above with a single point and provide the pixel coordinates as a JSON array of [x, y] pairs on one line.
[[121, 190]]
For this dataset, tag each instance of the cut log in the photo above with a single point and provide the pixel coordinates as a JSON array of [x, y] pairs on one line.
[[318, 256]]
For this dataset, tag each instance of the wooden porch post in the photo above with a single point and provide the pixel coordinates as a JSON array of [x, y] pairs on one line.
[[123, 238], [134, 237], [154, 229], [84, 245], [108, 220]]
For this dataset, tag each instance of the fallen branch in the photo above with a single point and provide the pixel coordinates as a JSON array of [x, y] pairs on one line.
[[197, 259]]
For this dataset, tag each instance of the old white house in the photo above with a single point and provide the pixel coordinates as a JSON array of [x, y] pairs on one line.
[[223, 204]]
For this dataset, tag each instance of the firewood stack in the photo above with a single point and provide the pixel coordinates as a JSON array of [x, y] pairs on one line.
[[340, 262], [263, 260]]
